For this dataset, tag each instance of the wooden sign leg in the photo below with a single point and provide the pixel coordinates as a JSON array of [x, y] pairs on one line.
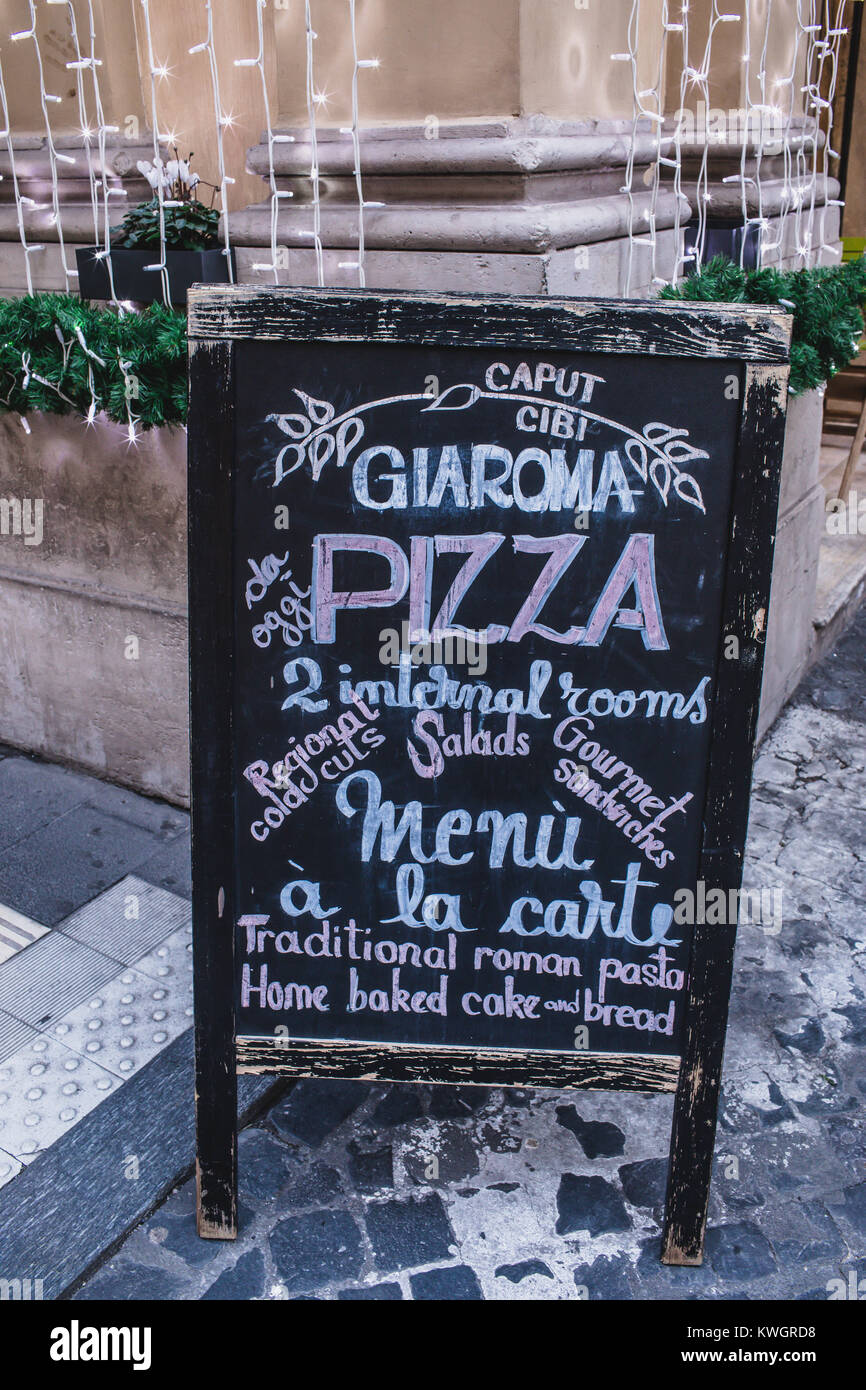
[[697, 1100], [216, 1087], [211, 684], [726, 815]]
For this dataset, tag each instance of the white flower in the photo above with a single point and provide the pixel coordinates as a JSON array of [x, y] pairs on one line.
[[149, 172], [156, 173]]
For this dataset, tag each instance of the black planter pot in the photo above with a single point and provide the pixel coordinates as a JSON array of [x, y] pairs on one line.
[[132, 281], [724, 238]]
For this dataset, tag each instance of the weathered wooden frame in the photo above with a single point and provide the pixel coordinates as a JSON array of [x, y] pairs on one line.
[[759, 339]]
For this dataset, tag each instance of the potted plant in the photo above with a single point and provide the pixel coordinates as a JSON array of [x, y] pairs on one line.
[[193, 252]]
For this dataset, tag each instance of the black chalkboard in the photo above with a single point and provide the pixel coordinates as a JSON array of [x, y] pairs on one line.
[[478, 591]]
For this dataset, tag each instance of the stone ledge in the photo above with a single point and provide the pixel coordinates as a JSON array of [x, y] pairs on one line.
[[491, 227], [499, 149]]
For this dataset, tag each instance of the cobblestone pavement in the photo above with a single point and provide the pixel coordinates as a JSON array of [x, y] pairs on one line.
[[353, 1191]]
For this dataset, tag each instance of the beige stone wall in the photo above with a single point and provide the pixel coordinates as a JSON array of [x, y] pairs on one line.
[[111, 567], [455, 60], [728, 70], [459, 60], [450, 59], [184, 99], [854, 215], [115, 45], [185, 104]]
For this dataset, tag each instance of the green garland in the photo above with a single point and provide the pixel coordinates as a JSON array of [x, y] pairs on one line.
[[60, 354], [827, 304]]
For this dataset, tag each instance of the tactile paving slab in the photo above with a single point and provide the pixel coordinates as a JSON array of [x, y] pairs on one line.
[[171, 959], [10, 1167], [128, 1021], [44, 1090], [53, 975], [14, 1035], [86, 1006], [16, 932], [128, 920]]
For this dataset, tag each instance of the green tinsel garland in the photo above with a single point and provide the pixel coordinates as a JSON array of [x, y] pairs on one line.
[[60, 354], [827, 304]]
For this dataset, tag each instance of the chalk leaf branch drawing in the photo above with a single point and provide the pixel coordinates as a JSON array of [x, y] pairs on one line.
[[320, 436]]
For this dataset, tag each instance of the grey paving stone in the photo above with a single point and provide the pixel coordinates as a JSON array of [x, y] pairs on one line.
[[245, 1279], [398, 1106], [605, 1279], [740, 1198], [809, 1040], [123, 1282], [128, 920], [645, 1183], [405, 1234], [856, 1016], [371, 1170], [313, 1109], [10, 1167], [598, 1139], [522, 1270], [456, 1102], [176, 1231], [829, 1096], [164, 822], [803, 1232], [667, 1281], [836, 684], [315, 1186], [443, 1154], [264, 1165], [33, 794], [172, 1228], [847, 1137], [851, 1211], [67, 862], [379, 1293], [499, 1139], [451, 1283], [782, 1112], [589, 1204], [318, 1248], [170, 866], [14, 1035], [739, 1251]]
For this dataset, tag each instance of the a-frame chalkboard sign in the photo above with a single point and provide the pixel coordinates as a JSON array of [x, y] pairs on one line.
[[478, 596]]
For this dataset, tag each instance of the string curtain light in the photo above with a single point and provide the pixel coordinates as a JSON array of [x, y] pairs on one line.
[[786, 117]]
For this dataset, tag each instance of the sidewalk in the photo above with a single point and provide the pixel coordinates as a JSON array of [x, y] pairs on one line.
[[94, 880], [353, 1191]]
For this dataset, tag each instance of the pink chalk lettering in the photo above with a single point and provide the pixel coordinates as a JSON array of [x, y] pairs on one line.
[[635, 566], [327, 601]]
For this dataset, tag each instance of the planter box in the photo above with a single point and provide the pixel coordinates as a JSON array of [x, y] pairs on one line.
[[133, 282], [723, 238]]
